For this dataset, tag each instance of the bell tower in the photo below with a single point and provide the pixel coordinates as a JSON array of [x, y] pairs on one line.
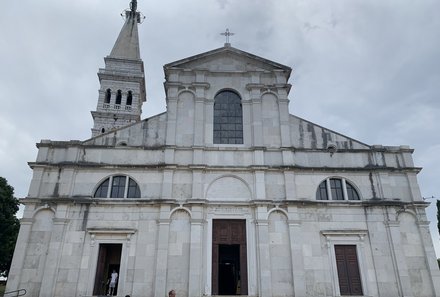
[[122, 80]]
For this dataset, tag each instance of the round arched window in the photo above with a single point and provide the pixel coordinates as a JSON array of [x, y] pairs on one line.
[[336, 189], [118, 186]]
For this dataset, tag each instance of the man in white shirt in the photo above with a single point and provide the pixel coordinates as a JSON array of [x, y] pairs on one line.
[[113, 281]]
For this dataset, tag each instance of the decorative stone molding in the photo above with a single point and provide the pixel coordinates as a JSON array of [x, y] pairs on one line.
[[335, 235], [109, 232]]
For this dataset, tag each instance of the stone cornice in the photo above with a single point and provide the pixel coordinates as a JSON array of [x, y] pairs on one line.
[[381, 149], [300, 203], [207, 167]]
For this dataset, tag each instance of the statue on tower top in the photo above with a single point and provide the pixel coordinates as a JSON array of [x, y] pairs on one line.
[[132, 12], [133, 5]]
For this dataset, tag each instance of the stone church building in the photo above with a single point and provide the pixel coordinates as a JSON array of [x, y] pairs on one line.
[[225, 193]]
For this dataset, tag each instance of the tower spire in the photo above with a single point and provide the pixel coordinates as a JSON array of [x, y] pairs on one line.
[[122, 79], [127, 44]]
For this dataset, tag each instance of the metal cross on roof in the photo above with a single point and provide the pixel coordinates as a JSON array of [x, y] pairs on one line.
[[227, 34]]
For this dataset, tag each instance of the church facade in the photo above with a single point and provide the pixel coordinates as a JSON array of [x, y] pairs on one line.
[[225, 193]]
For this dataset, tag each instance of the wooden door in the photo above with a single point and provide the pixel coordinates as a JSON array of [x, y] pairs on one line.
[[229, 232], [348, 270]]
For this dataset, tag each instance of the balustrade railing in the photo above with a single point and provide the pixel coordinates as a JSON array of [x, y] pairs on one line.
[[117, 107]]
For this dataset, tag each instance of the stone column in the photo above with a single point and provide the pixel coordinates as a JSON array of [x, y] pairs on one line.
[[264, 266], [53, 257], [171, 116], [209, 122], [197, 185], [167, 183], [14, 276], [260, 185], [256, 121], [295, 236], [160, 288], [430, 256], [283, 104], [199, 116], [195, 261], [399, 261], [289, 184]]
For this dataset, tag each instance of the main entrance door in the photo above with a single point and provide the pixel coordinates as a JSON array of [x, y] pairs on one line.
[[229, 258], [109, 259]]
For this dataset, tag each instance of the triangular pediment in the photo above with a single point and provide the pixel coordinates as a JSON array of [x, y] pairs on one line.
[[227, 59]]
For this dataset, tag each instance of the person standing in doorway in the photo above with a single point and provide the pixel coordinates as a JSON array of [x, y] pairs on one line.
[[113, 281]]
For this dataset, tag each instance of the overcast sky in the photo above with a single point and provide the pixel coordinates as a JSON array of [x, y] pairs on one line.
[[367, 69]]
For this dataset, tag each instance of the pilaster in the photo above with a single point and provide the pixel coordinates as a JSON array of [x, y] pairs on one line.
[[257, 125], [171, 120], [299, 279], [399, 261], [14, 276], [264, 265], [195, 264], [430, 256], [162, 252], [290, 185], [53, 257]]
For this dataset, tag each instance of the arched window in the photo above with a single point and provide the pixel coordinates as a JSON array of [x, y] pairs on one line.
[[129, 98], [119, 186], [118, 97], [336, 189], [228, 118], [108, 96]]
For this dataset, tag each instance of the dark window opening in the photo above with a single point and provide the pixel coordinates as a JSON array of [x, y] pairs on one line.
[[348, 270], [109, 261], [228, 118], [118, 97], [351, 193], [108, 96], [102, 190], [336, 188], [129, 98], [133, 189], [322, 192], [118, 187], [102, 130]]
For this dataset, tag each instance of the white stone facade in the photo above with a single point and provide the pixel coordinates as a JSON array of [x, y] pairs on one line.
[[187, 182]]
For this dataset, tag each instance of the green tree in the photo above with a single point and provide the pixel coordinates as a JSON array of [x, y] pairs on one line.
[[9, 225], [438, 224], [438, 216]]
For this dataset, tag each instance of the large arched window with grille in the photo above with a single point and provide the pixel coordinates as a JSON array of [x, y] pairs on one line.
[[118, 186], [228, 118], [336, 189]]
